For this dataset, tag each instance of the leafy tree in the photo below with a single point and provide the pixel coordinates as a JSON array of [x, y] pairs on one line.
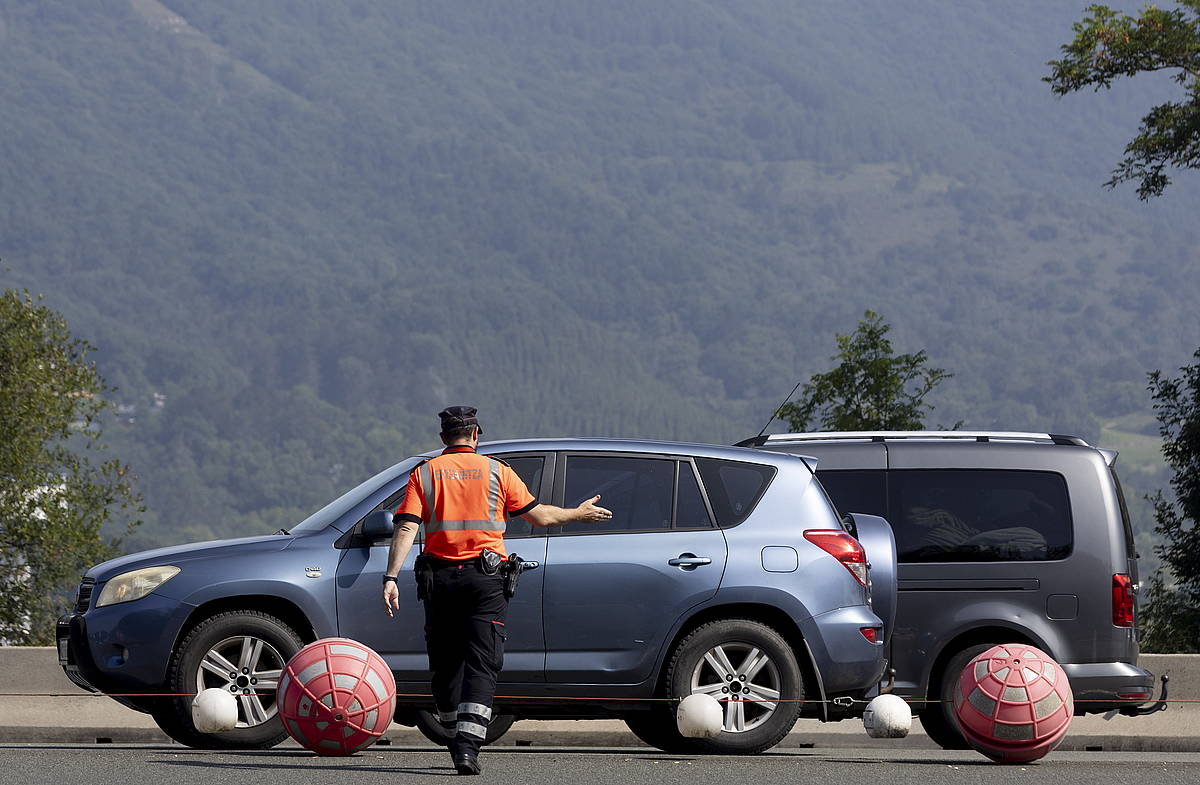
[[1110, 44], [871, 389], [54, 502], [1171, 615]]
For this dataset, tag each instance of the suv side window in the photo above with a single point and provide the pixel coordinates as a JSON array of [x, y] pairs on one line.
[[644, 494], [734, 487], [639, 491], [529, 468], [690, 510], [975, 515]]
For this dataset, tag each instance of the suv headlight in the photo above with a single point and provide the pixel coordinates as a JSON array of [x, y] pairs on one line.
[[130, 586]]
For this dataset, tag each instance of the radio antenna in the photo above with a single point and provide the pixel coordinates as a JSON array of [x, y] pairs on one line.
[[777, 408]]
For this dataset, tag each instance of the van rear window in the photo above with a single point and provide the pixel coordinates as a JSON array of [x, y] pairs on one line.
[[856, 490], [733, 487], [976, 515], [1130, 545]]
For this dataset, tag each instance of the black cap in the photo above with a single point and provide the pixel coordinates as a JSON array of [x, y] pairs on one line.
[[459, 417]]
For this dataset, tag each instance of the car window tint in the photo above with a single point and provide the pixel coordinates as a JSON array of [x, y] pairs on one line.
[[734, 487], [639, 491], [856, 491], [980, 515], [529, 468], [690, 512]]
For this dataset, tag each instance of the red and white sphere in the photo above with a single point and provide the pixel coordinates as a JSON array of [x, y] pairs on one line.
[[336, 696], [1013, 703]]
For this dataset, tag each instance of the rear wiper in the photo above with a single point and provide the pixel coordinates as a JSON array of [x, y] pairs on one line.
[[283, 531]]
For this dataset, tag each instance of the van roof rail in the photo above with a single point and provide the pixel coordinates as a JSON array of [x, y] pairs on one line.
[[884, 436]]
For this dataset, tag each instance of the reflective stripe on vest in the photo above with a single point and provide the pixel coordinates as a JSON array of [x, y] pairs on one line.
[[464, 526], [492, 525], [427, 486], [494, 491]]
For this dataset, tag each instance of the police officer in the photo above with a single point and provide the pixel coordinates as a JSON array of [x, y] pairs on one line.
[[464, 499]]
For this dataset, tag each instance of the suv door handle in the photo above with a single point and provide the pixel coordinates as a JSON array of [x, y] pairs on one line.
[[689, 561]]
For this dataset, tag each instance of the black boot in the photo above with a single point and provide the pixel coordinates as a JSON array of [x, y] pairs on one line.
[[466, 762]]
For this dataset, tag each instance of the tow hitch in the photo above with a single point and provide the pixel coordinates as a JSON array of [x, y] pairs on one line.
[[1160, 705]]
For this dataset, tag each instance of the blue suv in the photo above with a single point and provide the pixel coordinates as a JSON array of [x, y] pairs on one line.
[[723, 570]]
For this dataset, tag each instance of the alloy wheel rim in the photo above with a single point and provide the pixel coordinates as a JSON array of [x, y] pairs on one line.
[[248, 668], [744, 679]]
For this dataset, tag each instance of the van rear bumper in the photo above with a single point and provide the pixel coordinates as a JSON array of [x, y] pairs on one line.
[[1103, 686]]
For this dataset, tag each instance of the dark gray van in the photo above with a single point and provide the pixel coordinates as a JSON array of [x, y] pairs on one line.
[[1001, 537]]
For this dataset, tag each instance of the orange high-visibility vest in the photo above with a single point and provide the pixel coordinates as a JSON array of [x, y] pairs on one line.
[[464, 500]]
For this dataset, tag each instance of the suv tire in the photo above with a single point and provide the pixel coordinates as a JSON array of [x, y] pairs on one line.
[[743, 644], [427, 722], [265, 644], [938, 719]]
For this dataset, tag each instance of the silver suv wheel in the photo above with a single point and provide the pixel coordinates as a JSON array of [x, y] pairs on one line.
[[248, 668], [744, 679]]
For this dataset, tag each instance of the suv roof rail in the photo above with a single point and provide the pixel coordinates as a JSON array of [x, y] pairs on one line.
[[883, 436]]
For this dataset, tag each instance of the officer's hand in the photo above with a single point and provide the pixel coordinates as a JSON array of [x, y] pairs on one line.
[[391, 597], [590, 513]]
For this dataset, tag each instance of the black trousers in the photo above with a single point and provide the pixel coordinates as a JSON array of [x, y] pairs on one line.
[[464, 636]]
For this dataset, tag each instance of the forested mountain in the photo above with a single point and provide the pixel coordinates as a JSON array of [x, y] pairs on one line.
[[307, 226]]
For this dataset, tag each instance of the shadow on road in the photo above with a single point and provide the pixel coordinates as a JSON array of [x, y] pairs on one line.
[[921, 762], [431, 771]]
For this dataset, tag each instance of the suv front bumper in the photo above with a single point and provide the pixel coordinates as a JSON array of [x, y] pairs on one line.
[[121, 648], [73, 656]]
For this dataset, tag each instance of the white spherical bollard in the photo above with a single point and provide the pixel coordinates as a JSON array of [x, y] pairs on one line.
[[887, 717], [214, 711], [699, 717]]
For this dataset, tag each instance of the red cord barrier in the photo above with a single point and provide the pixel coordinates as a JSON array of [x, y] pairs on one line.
[[1134, 701]]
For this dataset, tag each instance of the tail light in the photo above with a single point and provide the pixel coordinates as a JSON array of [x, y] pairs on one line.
[[1122, 600], [846, 550], [871, 633]]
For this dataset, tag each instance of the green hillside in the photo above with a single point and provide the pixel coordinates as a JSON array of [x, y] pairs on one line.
[[309, 226]]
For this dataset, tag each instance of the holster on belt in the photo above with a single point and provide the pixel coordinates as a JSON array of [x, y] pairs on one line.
[[511, 569], [489, 561], [423, 572]]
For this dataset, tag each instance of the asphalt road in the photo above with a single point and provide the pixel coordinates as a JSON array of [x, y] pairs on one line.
[[174, 765]]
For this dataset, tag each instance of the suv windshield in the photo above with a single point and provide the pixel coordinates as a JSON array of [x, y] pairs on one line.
[[339, 506]]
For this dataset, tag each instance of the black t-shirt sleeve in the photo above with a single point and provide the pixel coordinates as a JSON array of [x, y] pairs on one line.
[[523, 510]]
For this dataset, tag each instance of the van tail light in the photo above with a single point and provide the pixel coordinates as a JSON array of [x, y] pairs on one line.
[[845, 549], [1122, 600], [870, 633]]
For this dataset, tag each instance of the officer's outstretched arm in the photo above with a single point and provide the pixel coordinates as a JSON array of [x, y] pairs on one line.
[[549, 515]]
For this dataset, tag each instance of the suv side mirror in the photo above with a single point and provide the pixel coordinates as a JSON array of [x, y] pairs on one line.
[[378, 525]]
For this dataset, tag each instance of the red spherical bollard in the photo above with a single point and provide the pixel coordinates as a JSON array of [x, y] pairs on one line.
[[1013, 703], [336, 696]]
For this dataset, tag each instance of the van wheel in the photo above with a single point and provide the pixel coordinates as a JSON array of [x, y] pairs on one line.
[[241, 651], [751, 670], [938, 719], [433, 730]]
